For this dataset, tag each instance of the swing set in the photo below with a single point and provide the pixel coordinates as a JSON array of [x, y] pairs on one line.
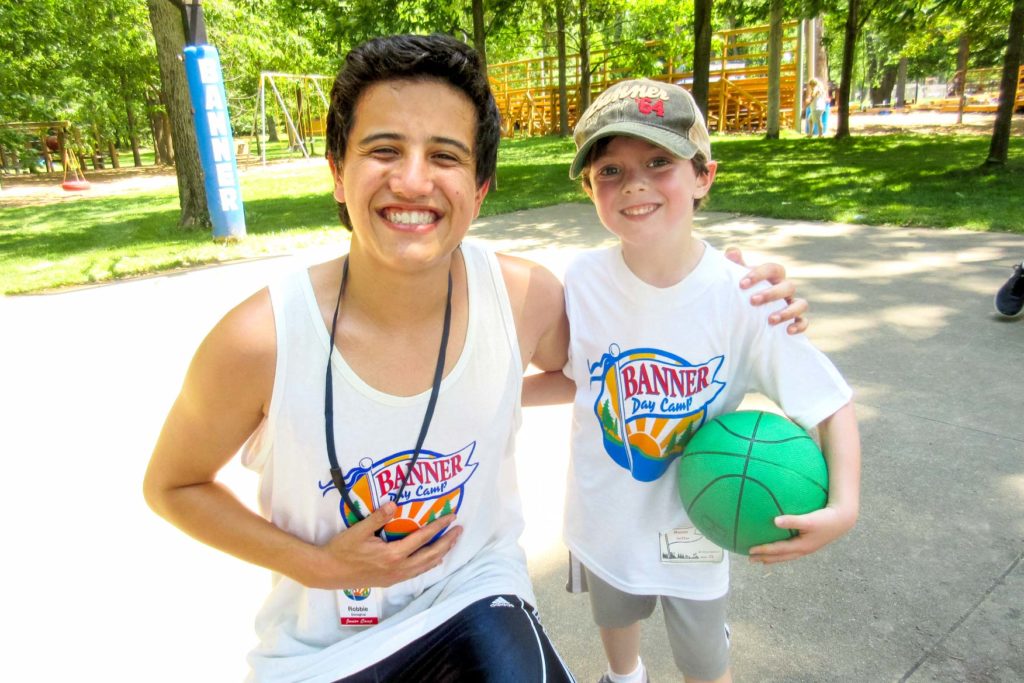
[[305, 119], [52, 140]]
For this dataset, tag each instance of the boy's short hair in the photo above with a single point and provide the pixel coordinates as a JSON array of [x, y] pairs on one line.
[[410, 57], [662, 114]]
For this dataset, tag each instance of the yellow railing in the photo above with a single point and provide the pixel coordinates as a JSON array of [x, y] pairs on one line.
[[985, 97], [527, 90]]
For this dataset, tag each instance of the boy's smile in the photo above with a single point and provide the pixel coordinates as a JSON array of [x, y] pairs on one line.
[[642, 210]]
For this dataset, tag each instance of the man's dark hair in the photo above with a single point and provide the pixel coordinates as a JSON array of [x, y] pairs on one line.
[[409, 57]]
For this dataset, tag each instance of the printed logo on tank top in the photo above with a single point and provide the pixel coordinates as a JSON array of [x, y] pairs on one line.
[[649, 405], [435, 488]]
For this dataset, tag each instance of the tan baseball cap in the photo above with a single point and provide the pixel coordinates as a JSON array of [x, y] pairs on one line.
[[663, 114]]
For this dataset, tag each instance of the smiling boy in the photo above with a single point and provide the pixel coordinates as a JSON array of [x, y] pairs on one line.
[[660, 316]]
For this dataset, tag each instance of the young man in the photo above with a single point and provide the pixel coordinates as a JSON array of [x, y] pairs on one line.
[[377, 396]]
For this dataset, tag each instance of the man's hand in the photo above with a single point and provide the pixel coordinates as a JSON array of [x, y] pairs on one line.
[[357, 558], [781, 289]]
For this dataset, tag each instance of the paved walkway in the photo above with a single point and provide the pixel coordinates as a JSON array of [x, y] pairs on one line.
[[928, 587]]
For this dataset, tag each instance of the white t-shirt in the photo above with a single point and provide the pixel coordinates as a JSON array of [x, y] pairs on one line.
[[466, 465], [682, 355]]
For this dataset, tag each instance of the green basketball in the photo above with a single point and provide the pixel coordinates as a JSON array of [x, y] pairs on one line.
[[741, 470]]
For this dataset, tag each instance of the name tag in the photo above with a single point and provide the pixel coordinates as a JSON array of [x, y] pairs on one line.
[[686, 545], [358, 606]]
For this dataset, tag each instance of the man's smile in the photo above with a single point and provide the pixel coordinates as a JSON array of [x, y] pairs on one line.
[[410, 217]]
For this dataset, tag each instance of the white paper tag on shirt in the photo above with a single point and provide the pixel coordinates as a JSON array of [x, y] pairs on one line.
[[686, 545], [359, 606]]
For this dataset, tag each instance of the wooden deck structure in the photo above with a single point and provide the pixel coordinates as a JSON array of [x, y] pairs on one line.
[[527, 90], [983, 99]]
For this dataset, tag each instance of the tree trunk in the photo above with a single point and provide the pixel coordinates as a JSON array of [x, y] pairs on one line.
[[166, 21], [163, 122], [480, 32], [1000, 147], [129, 112], [151, 118], [584, 102], [820, 51], [702, 54], [300, 120], [849, 52], [901, 83], [97, 155], [115, 160], [159, 127], [882, 94], [774, 68], [563, 99], [960, 80], [272, 130]]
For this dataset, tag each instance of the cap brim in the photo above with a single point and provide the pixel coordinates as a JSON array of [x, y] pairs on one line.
[[668, 140]]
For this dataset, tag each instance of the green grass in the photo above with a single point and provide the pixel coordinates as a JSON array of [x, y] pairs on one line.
[[124, 157], [533, 172], [912, 180], [93, 240], [906, 180], [275, 151]]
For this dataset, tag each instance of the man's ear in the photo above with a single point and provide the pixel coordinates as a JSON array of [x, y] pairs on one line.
[[339, 188], [705, 180], [478, 197]]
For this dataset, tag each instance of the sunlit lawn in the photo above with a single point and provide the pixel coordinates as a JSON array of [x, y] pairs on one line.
[[917, 180], [907, 180], [92, 240]]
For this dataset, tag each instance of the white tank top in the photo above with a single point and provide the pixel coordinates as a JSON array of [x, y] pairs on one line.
[[466, 465]]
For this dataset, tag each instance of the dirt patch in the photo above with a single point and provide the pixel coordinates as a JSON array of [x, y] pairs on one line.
[[926, 123], [39, 189]]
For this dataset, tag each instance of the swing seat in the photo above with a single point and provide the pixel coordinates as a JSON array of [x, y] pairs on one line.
[[75, 185]]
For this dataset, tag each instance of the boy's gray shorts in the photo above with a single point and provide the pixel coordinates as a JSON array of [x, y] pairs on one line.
[[696, 628]]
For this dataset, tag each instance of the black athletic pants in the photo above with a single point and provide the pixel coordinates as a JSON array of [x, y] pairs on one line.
[[494, 640]]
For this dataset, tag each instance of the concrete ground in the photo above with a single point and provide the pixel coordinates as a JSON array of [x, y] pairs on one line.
[[928, 587]]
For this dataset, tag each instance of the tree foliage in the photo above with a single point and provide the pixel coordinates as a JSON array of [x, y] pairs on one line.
[[95, 62]]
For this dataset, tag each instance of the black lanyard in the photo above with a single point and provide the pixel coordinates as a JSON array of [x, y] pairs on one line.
[[336, 474]]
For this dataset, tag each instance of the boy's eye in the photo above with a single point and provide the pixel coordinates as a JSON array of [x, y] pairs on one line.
[[608, 171], [659, 161], [383, 152]]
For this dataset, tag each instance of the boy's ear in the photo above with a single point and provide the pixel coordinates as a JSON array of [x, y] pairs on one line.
[[339, 189], [705, 180], [588, 189]]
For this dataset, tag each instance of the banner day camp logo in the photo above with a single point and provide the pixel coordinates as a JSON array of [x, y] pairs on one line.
[[435, 488], [650, 404]]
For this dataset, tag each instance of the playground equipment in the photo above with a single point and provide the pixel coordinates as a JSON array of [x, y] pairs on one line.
[[306, 120], [527, 90], [77, 181], [48, 139]]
